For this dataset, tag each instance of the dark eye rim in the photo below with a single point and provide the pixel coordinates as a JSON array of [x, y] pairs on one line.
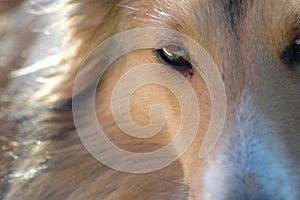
[[180, 66], [296, 47], [291, 55]]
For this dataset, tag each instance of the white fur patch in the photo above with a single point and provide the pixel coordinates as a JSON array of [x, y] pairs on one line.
[[249, 163]]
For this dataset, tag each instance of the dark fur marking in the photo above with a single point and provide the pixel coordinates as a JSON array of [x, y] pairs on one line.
[[235, 10]]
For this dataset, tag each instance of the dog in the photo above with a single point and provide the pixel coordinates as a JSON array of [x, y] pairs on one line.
[[255, 47]]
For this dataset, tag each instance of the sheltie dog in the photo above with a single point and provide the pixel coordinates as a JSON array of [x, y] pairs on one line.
[[218, 81]]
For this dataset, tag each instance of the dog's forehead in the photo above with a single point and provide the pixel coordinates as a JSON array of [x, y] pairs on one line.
[[218, 22], [242, 17], [195, 13], [236, 10]]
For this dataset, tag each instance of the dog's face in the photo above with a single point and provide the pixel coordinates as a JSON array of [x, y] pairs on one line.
[[255, 45]]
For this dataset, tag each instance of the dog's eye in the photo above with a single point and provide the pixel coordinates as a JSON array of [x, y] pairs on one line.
[[291, 56], [175, 56], [296, 51]]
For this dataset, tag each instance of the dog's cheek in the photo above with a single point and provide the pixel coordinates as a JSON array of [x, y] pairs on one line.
[[138, 103]]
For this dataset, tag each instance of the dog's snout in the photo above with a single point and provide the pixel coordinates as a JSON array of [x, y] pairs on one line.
[[243, 165], [250, 188], [246, 172], [252, 196]]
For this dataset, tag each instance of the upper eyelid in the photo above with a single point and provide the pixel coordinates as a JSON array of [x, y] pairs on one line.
[[164, 43], [166, 38]]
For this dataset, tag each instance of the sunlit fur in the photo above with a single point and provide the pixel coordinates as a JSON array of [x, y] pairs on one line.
[[257, 156]]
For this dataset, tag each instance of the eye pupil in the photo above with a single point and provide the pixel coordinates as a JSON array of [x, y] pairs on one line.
[[171, 55], [297, 41], [291, 56], [296, 51], [175, 56], [296, 47]]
